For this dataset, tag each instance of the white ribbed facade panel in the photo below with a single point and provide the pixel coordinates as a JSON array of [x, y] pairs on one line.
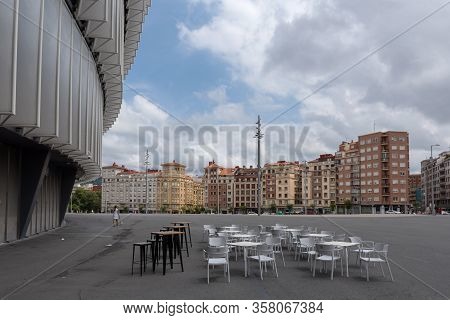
[[62, 65]]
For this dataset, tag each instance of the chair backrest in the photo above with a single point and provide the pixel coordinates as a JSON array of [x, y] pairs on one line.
[[312, 230], [222, 234], [381, 248], [263, 237], [208, 226], [294, 234], [340, 237], [217, 252], [326, 239], [278, 233], [328, 249], [274, 241], [264, 250], [217, 242], [355, 239], [307, 242]]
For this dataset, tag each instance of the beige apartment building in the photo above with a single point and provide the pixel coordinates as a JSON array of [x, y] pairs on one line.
[[281, 186], [126, 189], [348, 184], [219, 188], [319, 187], [176, 191]]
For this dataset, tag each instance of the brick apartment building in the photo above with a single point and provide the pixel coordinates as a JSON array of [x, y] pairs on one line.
[[245, 184], [382, 180], [415, 190], [219, 188]]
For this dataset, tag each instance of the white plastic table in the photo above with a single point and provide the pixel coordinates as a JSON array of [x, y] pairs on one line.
[[246, 245], [345, 246]]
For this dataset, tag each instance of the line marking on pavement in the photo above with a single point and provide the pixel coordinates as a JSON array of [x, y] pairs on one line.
[[429, 286], [26, 283]]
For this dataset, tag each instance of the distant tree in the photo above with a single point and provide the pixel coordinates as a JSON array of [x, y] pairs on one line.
[[332, 207], [86, 200], [289, 207], [273, 208]]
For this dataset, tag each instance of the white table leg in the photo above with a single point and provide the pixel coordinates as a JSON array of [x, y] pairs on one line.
[[245, 261], [346, 259]]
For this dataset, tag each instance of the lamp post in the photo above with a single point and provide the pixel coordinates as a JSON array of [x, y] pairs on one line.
[[259, 136], [146, 162], [433, 209]]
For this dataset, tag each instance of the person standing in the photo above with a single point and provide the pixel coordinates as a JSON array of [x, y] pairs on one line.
[[116, 217]]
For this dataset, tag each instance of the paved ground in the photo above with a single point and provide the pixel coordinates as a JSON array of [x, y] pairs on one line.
[[82, 266]]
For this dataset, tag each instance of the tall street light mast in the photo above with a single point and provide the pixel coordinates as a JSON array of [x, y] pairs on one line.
[[259, 136], [146, 162]]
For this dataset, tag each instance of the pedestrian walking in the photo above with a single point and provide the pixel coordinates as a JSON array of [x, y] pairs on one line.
[[116, 217]]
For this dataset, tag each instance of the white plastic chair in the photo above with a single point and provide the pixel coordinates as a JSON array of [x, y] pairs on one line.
[[363, 246], [275, 242], [377, 255], [264, 254], [328, 253], [306, 246], [217, 256]]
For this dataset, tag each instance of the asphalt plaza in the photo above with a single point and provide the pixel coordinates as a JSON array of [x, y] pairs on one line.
[[87, 258]]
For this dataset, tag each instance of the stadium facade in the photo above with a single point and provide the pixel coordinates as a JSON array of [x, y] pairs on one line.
[[62, 63]]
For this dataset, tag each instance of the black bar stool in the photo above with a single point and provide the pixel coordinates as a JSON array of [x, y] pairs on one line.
[[143, 252], [185, 223], [183, 240]]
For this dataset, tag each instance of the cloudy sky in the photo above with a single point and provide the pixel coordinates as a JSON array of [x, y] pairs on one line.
[[206, 68]]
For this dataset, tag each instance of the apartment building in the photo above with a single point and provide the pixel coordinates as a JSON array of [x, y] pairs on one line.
[[415, 190], [319, 191], [348, 185], [219, 188], [126, 189], [435, 182], [176, 191], [384, 164], [246, 184], [281, 185]]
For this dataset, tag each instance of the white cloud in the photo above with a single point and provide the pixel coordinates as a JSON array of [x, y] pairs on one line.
[[286, 49]]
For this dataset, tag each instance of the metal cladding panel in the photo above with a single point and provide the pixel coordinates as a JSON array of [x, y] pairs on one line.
[[4, 155], [66, 84], [29, 53], [96, 10], [83, 100], [8, 55], [13, 194], [76, 86], [50, 71]]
